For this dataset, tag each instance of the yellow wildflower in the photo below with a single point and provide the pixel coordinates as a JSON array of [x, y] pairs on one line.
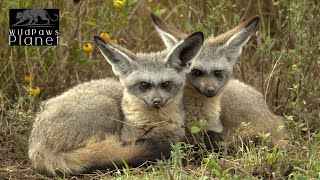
[[34, 91], [105, 36], [87, 48], [27, 78], [118, 4]]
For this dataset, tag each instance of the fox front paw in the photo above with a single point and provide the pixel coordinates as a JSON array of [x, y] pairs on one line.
[[160, 149]]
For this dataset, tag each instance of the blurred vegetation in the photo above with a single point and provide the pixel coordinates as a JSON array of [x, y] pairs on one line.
[[282, 60]]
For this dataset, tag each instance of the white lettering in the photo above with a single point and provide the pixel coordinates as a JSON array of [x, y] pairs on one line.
[[27, 32], [30, 41], [49, 32], [36, 41], [49, 39], [34, 31], [57, 40], [20, 32], [10, 41], [11, 32]]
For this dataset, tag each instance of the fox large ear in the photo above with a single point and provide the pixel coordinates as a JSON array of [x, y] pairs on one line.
[[168, 34], [185, 51], [233, 46], [119, 58]]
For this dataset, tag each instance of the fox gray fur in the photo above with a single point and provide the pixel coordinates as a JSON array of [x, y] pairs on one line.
[[84, 127], [236, 101], [153, 88]]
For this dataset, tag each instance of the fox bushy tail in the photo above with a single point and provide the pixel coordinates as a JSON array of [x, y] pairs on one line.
[[104, 153]]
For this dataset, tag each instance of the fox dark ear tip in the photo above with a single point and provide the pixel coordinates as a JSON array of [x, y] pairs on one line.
[[254, 20], [98, 38], [199, 33], [154, 17]]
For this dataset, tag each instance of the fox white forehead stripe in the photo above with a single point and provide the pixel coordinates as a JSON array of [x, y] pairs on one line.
[[168, 39]]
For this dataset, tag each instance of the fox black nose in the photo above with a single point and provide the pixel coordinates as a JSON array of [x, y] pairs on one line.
[[210, 89], [157, 100]]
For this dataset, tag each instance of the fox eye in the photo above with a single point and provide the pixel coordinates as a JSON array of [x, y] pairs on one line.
[[196, 72], [166, 84], [144, 85], [217, 73]]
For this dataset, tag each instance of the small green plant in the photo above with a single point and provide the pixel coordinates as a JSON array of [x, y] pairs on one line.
[[179, 153], [212, 162], [197, 126]]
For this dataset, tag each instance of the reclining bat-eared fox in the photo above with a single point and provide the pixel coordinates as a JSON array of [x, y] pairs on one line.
[[102, 123], [211, 91]]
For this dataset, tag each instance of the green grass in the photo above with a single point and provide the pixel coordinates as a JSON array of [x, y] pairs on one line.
[[282, 61]]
